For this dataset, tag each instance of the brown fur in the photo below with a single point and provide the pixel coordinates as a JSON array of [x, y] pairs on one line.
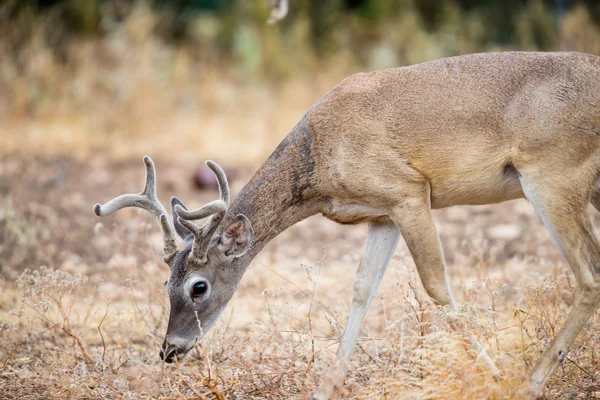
[[463, 125], [385, 148], [456, 123], [476, 129]]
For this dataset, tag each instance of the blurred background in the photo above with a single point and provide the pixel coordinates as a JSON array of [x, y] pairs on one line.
[[209, 78], [89, 87]]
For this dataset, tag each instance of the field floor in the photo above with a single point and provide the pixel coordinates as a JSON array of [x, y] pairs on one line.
[[83, 309]]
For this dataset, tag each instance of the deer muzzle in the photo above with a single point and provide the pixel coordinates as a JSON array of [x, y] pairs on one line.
[[172, 351]]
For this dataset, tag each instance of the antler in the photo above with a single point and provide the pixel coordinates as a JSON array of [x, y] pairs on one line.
[[148, 201], [215, 210]]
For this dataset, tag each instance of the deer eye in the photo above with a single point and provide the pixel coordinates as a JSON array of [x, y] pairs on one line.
[[199, 289]]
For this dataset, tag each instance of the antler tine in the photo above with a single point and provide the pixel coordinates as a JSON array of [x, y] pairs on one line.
[[221, 180], [215, 210], [148, 201], [198, 250], [214, 207]]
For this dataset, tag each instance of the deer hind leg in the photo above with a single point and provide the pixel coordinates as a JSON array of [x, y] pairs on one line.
[[413, 218], [381, 242], [562, 203]]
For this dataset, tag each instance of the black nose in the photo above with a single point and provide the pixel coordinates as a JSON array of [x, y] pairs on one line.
[[167, 354]]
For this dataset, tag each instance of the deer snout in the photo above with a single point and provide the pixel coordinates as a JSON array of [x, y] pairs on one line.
[[175, 347], [167, 353]]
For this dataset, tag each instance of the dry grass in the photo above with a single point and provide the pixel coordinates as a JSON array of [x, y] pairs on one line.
[[92, 327]]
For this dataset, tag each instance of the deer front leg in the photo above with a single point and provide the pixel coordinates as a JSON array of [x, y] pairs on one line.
[[413, 218], [380, 245]]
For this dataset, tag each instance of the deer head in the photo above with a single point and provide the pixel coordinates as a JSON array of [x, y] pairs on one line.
[[203, 278]]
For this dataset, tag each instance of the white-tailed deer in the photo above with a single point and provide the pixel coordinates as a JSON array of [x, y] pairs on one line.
[[386, 147]]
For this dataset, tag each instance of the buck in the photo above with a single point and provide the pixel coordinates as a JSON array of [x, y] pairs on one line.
[[385, 148]]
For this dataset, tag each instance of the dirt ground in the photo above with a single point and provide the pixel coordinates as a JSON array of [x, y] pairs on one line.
[[86, 318]]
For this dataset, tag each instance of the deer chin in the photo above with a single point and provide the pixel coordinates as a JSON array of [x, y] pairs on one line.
[[185, 354]]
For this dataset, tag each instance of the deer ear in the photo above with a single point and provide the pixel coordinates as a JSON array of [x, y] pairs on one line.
[[237, 237], [182, 231]]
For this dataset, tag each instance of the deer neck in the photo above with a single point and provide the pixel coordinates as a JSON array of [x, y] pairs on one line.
[[281, 193]]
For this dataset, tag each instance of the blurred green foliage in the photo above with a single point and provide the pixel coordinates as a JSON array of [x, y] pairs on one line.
[[370, 33]]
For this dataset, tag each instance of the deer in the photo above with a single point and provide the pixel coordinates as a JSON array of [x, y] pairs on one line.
[[385, 148]]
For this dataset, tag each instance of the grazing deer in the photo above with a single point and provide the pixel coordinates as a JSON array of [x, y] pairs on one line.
[[386, 147]]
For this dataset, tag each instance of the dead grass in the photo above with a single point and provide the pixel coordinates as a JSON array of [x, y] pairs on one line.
[[92, 327]]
